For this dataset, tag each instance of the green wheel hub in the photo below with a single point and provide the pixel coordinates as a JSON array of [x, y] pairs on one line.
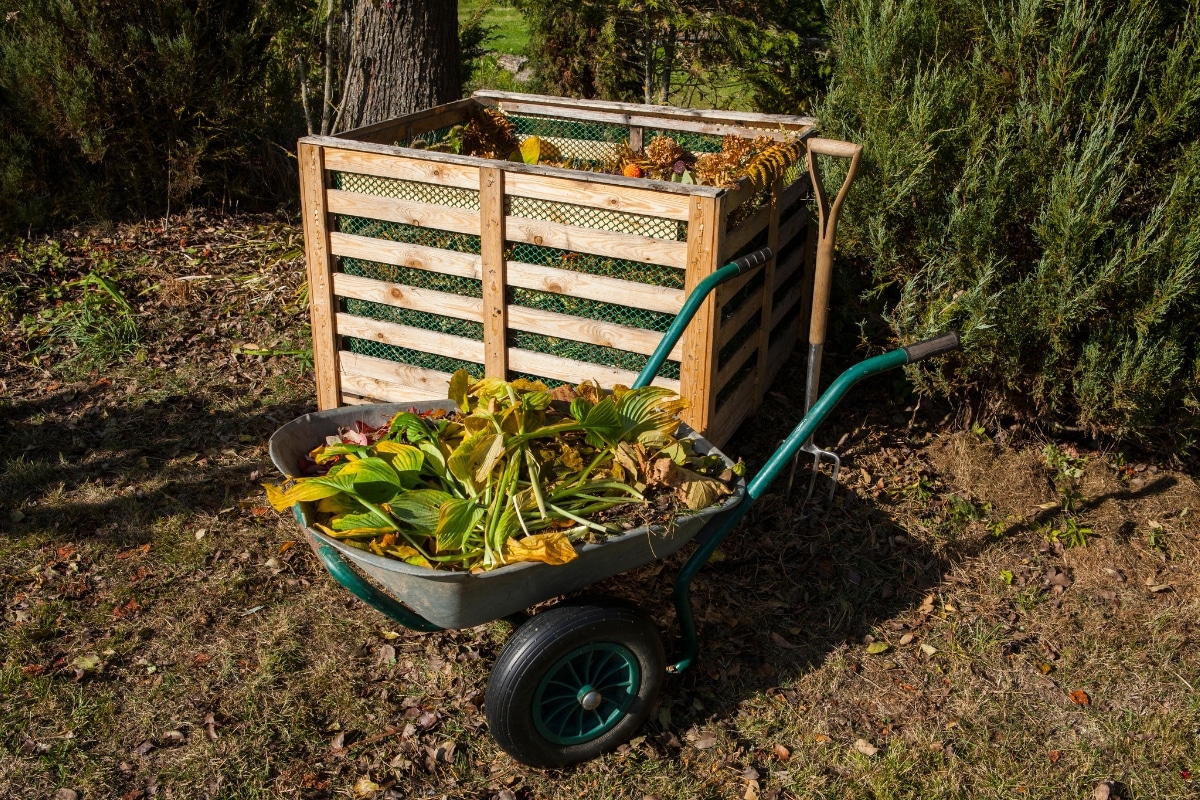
[[586, 693]]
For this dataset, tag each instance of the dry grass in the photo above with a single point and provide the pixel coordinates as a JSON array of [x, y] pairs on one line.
[[148, 591]]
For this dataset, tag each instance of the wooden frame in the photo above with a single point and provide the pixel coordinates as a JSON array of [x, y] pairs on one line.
[[725, 364]]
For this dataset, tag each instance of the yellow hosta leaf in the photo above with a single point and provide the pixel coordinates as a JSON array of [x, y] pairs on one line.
[[549, 548], [409, 555], [354, 533], [300, 492], [531, 150]]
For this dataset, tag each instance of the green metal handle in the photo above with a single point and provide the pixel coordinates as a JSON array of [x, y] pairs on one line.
[[692, 304], [344, 574], [758, 485]]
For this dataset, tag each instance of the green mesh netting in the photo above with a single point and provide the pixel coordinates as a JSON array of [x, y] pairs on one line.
[[403, 355], [590, 353], [454, 326], [421, 278], [416, 191], [595, 218], [695, 142], [410, 234], [591, 309], [636, 271]]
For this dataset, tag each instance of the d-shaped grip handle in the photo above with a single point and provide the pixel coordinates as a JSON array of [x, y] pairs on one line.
[[932, 347]]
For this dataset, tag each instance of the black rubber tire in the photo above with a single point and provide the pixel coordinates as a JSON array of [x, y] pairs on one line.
[[540, 644]]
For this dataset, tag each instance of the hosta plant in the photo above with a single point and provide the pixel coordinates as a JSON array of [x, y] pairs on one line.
[[516, 472]]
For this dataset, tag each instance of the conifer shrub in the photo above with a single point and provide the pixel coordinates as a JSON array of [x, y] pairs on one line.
[[1031, 177]]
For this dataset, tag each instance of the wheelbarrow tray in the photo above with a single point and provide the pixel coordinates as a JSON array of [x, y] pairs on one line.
[[452, 599]]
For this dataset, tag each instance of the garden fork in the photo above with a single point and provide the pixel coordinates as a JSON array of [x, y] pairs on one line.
[[826, 231]]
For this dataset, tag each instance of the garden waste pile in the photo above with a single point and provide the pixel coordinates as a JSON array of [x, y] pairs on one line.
[[514, 472]]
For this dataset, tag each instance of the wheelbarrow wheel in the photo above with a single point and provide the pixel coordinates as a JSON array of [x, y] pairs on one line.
[[574, 682]]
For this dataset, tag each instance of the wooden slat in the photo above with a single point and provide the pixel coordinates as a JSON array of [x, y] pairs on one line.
[[414, 256], [736, 362], [740, 236], [566, 369], [594, 195], [392, 209], [411, 297], [595, 287], [698, 364], [391, 382], [781, 308], [648, 121], [355, 400], [320, 288], [770, 286], [660, 113], [453, 117], [597, 178], [730, 327], [604, 243], [495, 306], [734, 285], [778, 356], [796, 191], [401, 168], [591, 331], [385, 131], [442, 344], [635, 138], [792, 227], [788, 270], [733, 412]]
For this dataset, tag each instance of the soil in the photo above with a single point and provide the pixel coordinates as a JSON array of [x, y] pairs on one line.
[[977, 613]]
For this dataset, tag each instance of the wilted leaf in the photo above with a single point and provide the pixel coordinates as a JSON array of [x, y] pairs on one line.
[[704, 740], [549, 548], [173, 737], [1045, 668], [865, 747], [88, 663], [906, 639], [1055, 755], [781, 752], [1080, 697], [821, 738], [928, 649], [365, 787], [143, 747], [875, 648]]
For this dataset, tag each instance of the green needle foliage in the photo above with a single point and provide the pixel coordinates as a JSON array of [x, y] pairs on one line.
[[1031, 177]]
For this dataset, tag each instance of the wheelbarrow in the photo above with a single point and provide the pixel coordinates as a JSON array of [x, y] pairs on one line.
[[579, 678]]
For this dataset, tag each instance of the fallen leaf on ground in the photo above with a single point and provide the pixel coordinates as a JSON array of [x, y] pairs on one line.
[[906, 639], [928, 649], [782, 642], [1055, 755], [865, 747], [781, 752], [821, 738], [875, 648], [705, 740], [1045, 668], [1080, 697], [365, 787], [1103, 791], [173, 737], [144, 747]]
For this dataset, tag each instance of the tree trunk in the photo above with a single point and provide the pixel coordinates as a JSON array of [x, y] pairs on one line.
[[399, 56]]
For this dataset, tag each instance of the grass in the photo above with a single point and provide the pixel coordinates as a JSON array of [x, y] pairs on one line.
[[510, 34], [194, 609]]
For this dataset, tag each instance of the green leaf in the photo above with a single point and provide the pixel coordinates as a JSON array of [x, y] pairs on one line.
[[407, 425], [456, 520], [419, 508], [349, 522], [372, 479], [875, 648], [405, 459], [602, 423], [460, 382]]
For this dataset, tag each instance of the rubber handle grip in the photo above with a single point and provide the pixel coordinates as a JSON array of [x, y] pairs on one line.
[[753, 260], [931, 347]]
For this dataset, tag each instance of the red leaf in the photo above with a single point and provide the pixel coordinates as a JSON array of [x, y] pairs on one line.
[[1080, 697], [1055, 755]]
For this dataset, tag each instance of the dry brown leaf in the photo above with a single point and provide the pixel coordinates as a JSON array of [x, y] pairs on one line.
[[782, 642], [906, 639], [781, 752], [821, 738], [865, 747], [1081, 698], [1055, 755]]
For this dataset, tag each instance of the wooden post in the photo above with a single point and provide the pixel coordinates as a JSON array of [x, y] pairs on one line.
[[491, 248], [635, 138], [761, 378], [699, 365], [313, 183]]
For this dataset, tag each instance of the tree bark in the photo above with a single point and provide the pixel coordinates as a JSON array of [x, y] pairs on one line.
[[398, 56]]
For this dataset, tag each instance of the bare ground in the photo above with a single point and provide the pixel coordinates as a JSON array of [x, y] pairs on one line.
[[167, 635]]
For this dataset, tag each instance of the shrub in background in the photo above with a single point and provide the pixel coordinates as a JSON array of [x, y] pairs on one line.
[[127, 105], [1032, 178]]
